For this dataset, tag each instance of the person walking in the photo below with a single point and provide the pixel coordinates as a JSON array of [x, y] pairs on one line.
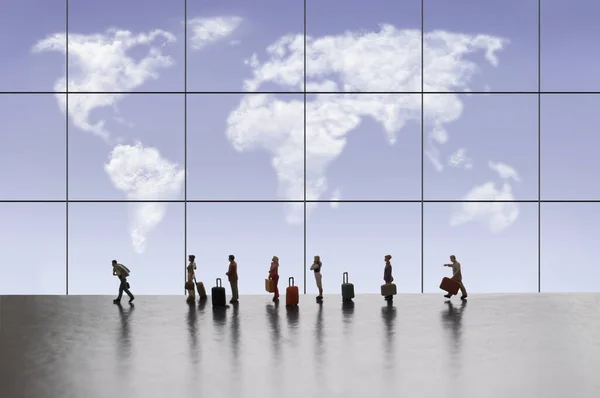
[[274, 276], [191, 275], [232, 274], [316, 267], [387, 273], [122, 273], [457, 276]]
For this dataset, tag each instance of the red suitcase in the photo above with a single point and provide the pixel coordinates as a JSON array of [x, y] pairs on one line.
[[292, 296], [450, 285]]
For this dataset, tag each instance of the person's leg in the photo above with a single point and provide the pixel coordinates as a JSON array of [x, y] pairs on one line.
[[276, 283], [319, 279], [192, 291], [122, 287], [463, 290], [126, 290], [234, 290]]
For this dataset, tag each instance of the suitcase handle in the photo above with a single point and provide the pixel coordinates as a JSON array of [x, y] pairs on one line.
[[291, 281], [345, 277], [219, 282]]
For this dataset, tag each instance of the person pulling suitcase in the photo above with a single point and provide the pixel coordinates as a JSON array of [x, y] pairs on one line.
[[457, 276]]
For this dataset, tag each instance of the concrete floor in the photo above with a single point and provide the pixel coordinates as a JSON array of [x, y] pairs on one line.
[[545, 345]]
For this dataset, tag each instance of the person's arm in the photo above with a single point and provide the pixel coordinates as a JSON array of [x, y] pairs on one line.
[[312, 267]]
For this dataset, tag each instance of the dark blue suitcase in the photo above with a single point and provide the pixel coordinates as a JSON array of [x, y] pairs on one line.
[[218, 295], [347, 288]]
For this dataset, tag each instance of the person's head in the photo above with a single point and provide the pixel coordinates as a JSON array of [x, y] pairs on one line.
[[388, 257], [275, 259], [114, 262], [453, 258], [317, 259], [192, 258], [231, 257]]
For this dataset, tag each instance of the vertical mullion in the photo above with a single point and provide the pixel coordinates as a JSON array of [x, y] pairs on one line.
[[67, 148], [304, 120], [185, 34], [422, 142], [539, 145]]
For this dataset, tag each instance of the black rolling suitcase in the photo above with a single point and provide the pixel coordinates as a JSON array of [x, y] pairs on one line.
[[218, 295], [347, 288]]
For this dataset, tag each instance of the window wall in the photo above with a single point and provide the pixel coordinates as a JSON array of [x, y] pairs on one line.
[[145, 131]]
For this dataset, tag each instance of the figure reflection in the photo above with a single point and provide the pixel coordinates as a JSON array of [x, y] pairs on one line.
[[320, 353], [388, 314], [192, 326], [202, 305], [293, 315], [235, 336], [219, 318], [124, 338], [452, 321], [347, 313], [276, 357]]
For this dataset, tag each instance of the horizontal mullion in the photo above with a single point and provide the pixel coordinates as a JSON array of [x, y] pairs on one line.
[[295, 201], [300, 92]]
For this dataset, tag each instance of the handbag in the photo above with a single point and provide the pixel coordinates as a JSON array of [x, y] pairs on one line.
[[189, 285]]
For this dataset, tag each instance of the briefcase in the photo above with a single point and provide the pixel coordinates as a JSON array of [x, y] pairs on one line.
[[450, 285], [388, 289], [347, 288], [269, 285]]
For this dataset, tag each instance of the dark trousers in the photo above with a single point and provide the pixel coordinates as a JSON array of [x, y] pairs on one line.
[[123, 288]]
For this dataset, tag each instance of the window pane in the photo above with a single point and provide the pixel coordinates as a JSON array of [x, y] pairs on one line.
[[235, 45], [363, 46], [148, 238], [481, 45], [355, 237], [141, 44], [570, 163], [492, 139], [136, 154], [568, 239], [25, 66], [34, 251], [496, 244], [32, 148], [246, 147], [253, 233]]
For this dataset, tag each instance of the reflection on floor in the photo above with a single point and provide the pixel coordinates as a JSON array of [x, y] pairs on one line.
[[545, 345]]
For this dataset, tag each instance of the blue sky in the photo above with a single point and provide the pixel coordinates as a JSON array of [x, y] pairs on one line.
[[250, 145]]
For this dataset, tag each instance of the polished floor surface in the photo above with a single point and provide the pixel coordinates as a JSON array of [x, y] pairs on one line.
[[537, 345]]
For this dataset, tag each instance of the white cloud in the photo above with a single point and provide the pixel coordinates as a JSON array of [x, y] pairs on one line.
[[460, 159], [335, 199], [504, 171], [141, 173], [497, 216], [235, 43], [100, 62], [388, 60], [205, 31]]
